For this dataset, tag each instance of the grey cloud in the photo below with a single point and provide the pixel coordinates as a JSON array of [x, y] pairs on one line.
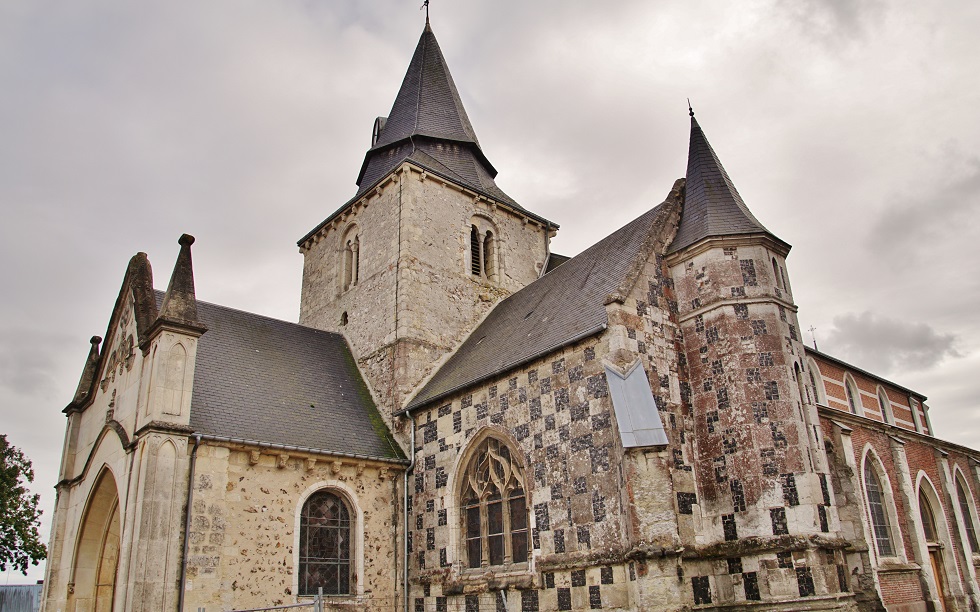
[[884, 345], [928, 218], [835, 21], [28, 364]]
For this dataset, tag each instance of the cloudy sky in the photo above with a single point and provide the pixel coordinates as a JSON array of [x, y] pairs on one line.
[[850, 128]]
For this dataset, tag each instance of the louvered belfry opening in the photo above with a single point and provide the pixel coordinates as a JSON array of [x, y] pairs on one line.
[[475, 259]]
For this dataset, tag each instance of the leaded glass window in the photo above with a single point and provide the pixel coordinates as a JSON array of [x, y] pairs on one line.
[[325, 545], [879, 514], [971, 534], [494, 507]]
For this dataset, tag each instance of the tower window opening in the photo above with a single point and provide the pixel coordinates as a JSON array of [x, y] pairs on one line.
[[476, 259], [776, 273], [352, 263]]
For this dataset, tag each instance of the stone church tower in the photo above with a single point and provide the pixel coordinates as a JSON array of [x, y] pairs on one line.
[[428, 244]]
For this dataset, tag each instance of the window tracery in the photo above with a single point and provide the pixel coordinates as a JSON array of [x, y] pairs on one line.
[[493, 505]]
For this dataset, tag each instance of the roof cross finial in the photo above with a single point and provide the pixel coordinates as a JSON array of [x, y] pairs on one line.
[[813, 334], [689, 109], [425, 5]]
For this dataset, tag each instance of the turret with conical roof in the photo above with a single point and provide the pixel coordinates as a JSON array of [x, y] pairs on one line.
[[712, 205], [427, 245], [757, 434]]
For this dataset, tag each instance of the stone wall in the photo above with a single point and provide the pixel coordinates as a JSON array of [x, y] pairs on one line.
[[416, 298], [244, 527]]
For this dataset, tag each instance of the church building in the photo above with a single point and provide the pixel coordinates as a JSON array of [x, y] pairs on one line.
[[463, 420]]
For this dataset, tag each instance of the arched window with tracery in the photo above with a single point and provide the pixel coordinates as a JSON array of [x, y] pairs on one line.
[[325, 545], [493, 504], [880, 524]]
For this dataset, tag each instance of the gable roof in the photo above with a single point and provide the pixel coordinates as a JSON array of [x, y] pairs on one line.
[[264, 380], [563, 306], [712, 205]]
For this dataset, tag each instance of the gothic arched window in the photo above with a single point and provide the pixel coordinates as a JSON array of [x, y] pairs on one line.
[[886, 407], [853, 397], [493, 507], [971, 532], [325, 545], [928, 518], [879, 513]]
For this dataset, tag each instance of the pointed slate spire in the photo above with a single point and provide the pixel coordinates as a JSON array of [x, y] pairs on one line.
[[179, 303], [428, 103], [88, 373], [712, 205]]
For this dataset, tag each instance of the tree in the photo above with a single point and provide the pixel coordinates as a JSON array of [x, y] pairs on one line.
[[20, 541]]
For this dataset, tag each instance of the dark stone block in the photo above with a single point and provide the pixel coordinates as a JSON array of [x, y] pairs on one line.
[[790, 495], [784, 560], [472, 603], [779, 525], [529, 601], [564, 598], [606, 575], [596, 386], [549, 422], [685, 502], [541, 516], [579, 412], [729, 526], [804, 579], [735, 565], [738, 496], [584, 536], [442, 518], [549, 580], [702, 590], [534, 409], [595, 597], [751, 582], [575, 374], [559, 540], [578, 578]]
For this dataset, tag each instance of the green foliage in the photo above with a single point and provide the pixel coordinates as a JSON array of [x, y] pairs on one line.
[[20, 541]]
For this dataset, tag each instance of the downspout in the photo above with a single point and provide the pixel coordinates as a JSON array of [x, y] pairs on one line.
[[410, 467], [547, 248], [187, 524]]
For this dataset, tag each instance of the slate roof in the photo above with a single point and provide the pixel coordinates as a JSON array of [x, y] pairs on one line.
[[712, 205], [565, 305], [264, 380]]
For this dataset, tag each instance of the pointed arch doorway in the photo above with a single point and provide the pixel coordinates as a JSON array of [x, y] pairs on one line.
[[97, 549]]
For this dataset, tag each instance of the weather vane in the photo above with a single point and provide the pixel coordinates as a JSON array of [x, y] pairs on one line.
[[425, 5], [813, 335], [689, 109]]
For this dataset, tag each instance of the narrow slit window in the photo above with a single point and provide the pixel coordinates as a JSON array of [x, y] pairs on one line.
[[879, 514]]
